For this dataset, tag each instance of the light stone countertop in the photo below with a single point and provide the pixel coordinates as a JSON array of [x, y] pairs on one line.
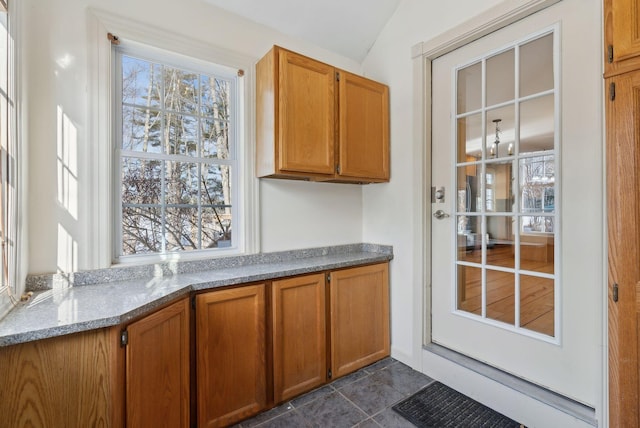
[[73, 308]]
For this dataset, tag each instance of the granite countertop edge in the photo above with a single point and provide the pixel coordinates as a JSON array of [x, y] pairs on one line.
[[60, 311]]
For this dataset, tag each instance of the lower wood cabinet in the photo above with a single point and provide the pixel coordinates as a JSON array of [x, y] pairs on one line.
[[359, 317], [157, 368], [231, 354], [299, 335], [255, 346]]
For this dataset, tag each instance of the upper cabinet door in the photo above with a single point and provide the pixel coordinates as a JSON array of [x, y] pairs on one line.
[[622, 36], [306, 115], [364, 128]]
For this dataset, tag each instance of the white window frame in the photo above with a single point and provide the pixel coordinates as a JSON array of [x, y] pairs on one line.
[[101, 132], [12, 267], [199, 67]]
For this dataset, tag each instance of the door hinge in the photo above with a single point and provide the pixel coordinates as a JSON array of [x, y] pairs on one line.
[[193, 302], [337, 169], [124, 338], [328, 277], [610, 53], [612, 91], [337, 76], [615, 292], [329, 374]]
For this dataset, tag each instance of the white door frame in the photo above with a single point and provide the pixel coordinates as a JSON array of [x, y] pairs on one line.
[[423, 54]]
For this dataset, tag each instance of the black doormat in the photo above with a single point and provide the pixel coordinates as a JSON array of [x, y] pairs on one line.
[[438, 406]]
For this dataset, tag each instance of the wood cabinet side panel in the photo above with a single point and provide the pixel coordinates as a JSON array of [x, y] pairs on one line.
[[157, 366], [359, 317], [67, 381], [363, 128], [231, 367], [266, 113], [299, 335]]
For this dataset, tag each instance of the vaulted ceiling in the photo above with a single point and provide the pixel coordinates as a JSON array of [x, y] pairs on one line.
[[347, 27]]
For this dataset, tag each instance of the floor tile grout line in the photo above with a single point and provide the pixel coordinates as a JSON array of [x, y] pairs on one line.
[[367, 373], [356, 406]]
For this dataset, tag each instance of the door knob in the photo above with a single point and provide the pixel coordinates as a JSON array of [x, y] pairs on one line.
[[440, 214]]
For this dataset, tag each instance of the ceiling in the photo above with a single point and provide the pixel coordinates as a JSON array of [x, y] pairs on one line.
[[346, 27]]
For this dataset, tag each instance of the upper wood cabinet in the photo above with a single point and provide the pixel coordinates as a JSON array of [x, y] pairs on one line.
[[299, 335], [231, 355], [157, 368], [622, 36], [359, 317], [319, 123]]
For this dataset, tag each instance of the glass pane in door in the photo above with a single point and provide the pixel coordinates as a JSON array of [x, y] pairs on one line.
[[501, 296], [469, 88], [506, 185], [537, 304], [501, 78], [469, 292]]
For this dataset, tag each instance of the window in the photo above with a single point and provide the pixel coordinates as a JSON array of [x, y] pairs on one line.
[[9, 161], [177, 165]]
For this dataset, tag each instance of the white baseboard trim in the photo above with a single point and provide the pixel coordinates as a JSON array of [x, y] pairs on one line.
[[523, 401]]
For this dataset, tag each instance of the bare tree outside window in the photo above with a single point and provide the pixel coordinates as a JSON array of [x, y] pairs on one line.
[[537, 176], [176, 159]]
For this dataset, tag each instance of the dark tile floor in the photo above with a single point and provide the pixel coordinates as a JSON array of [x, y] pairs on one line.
[[362, 399]]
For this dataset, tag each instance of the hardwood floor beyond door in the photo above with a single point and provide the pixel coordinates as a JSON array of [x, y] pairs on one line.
[[536, 294]]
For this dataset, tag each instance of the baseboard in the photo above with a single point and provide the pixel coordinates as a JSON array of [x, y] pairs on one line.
[[566, 405]]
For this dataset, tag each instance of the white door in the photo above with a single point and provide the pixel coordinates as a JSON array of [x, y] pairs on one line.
[[517, 208]]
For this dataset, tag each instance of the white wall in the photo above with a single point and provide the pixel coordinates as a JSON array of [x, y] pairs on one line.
[[393, 211], [57, 98]]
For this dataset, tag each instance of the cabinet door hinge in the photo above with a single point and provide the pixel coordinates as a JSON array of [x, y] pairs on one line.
[[328, 277], [337, 76], [124, 338], [615, 292], [610, 53], [612, 91], [329, 374], [193, 302], [337, 169]]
